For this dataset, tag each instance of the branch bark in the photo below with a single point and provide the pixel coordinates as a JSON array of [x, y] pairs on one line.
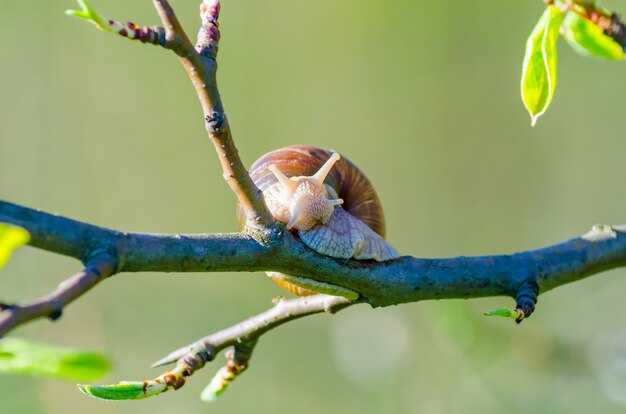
[[407, 279], [52, 305], [201, 68]]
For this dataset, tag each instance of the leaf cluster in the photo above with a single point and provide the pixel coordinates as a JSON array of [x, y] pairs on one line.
[[590, 29]]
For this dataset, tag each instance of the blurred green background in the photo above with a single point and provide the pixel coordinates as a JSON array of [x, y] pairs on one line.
[[423, 96]]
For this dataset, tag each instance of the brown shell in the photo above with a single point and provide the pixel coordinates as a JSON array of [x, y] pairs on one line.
[[358, 194]]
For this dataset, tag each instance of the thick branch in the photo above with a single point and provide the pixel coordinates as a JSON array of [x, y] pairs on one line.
[[406, 279]]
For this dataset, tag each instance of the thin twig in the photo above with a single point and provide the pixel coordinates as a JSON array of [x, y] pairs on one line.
[[201, 67], [52, 305], [202, 73], [240, 339], [177, 39], [252, 328]]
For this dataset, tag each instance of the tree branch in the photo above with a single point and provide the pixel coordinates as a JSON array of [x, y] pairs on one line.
[[202, 72], [407, 279], [174, 32], [52, 305], [240, 339], [252, 328], [201, 67]]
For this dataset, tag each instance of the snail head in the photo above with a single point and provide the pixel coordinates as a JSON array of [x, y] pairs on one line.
[[306, 197]]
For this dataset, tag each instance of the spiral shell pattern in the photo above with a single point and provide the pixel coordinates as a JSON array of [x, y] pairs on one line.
[[358, 194], [350, 184]]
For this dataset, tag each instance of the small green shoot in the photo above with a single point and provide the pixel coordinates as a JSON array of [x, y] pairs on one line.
[[505, 312], [89, 14], [138, 390], [126, 390]]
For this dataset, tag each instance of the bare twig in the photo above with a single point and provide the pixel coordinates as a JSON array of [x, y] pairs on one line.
[[52, 305], [202, 72], [252, 328], [174, 32], [201, 67], [200, 64], [240, 339]]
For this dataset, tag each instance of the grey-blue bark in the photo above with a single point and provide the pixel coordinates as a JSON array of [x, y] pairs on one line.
[[407, 279]]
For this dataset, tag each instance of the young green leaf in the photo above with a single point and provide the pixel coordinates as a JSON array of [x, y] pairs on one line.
[[26, 357], [86, 12], [539, 67], [586, 38], [137, 390], [128, 390], [11, 237], [505, 312]]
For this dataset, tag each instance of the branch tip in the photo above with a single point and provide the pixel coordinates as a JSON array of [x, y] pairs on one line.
[[210, 12], [209, 33], [238, 358], [86, 12]]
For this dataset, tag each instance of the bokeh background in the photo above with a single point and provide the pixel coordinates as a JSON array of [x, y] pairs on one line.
[[423, 96]]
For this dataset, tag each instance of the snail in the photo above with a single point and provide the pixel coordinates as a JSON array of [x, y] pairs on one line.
[[329, 202]]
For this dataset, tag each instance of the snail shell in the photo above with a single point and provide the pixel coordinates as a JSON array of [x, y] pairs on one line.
[[354, 229]]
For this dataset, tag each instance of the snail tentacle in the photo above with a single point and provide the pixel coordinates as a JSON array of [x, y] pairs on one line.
[[321, 174], [304, 201]]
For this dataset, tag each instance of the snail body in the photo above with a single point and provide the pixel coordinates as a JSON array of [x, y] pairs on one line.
[[329, 202]]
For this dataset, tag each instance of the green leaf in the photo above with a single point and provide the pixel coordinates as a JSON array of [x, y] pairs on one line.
[[122, 391], [125, 390], [11, 237], [26, 357], [505, 312], [586, 38], [137, 390], [539, 67]]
